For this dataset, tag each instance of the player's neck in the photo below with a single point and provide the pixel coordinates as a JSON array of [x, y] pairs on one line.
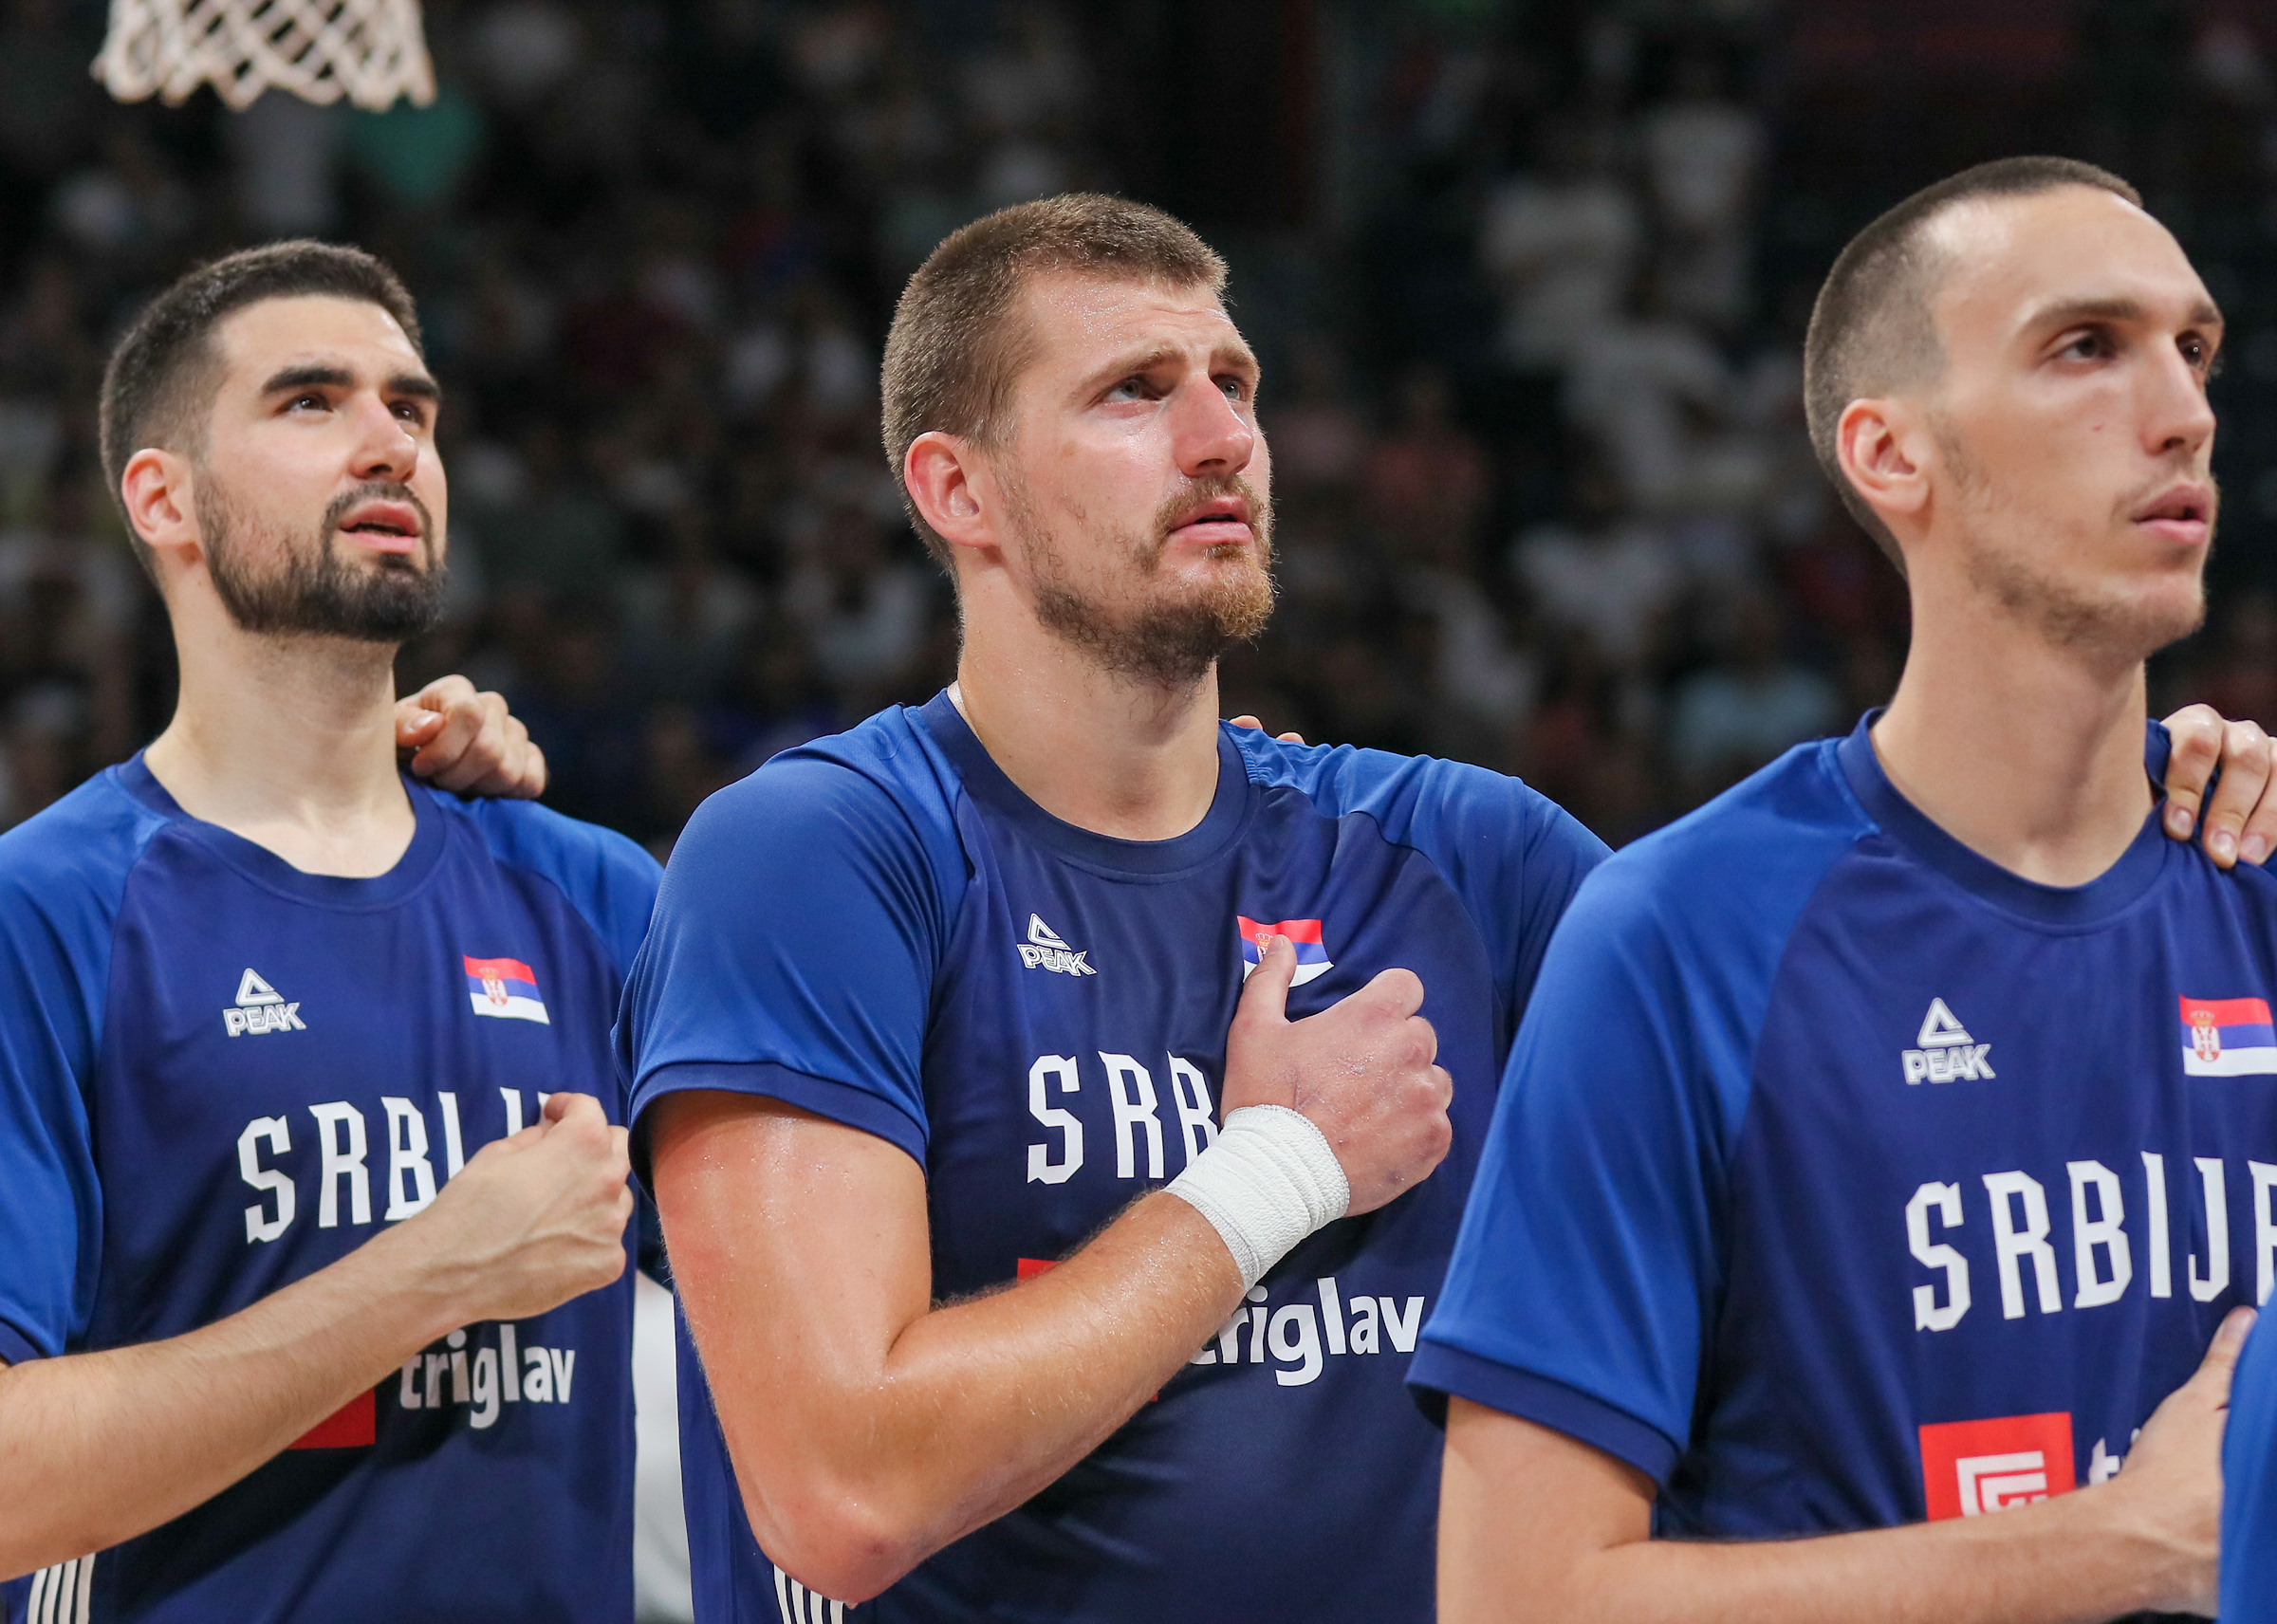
[[2028, 753], [290, 743], [1134, 760]]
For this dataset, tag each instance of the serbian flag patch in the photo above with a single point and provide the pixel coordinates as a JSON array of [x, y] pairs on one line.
[[507, 988], [2228, 1037], [1312, 956]]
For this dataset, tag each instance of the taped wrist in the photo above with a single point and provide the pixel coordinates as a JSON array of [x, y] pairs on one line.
[[1270, 1181]]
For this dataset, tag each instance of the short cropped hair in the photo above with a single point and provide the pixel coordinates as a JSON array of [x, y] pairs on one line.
[[161, 379], [1871, 330], [954, 354]]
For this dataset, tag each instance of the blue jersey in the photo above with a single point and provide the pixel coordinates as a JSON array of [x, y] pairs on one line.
[[1842, 1178], [880, 927], [2250, 1487], [219, 1075]]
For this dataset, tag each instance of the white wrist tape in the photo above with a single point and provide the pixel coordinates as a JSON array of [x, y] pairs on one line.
[[1270, 1181]]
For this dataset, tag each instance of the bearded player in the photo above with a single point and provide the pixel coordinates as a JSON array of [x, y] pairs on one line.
[[312, 1252], [1038, 1267], [1886, 1158]]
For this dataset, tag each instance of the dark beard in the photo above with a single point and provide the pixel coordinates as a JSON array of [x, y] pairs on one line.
[[1170, 645], [313, 592]]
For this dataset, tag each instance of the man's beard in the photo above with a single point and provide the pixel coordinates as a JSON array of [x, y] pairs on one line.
[[312, 590], [2123, 624], [1171, 642]]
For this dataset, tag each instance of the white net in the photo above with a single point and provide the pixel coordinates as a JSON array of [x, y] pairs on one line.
[[370, 51]]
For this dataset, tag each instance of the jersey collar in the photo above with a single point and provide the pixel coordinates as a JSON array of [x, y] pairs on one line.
[[1220, 827], [264, 867], [2109, 893]]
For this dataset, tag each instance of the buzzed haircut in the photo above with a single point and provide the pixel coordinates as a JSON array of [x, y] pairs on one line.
[[955, 351], [162, 378], [1872, 331]]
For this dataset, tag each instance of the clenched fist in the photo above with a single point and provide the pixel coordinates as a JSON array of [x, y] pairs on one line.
[[534, 1220], [1362, 1070]]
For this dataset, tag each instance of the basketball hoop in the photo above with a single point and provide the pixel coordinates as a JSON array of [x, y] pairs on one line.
[[371, 51]]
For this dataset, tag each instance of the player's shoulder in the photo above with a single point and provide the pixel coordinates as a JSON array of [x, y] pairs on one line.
[[881, 783], [609, 879], [531, 836], [1395, 789], [78, 850], [1759, 848]]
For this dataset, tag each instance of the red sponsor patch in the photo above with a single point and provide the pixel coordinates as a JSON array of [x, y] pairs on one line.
[[1030, 1267], [1970, 1467], [353, 1425]]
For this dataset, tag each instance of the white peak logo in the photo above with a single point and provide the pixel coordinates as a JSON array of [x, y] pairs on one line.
[[1947, 1052], [1045, 949], [260, 1008]]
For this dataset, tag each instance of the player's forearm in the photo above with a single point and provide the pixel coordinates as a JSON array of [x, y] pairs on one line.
[[2066, 1561], [977, 1406], [98, 1447]]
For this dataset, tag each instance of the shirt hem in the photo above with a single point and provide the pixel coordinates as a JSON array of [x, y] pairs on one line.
[[1438, 1370], [15, 1347], [841, 1102]]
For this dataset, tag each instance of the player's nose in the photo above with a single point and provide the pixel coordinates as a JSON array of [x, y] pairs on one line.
[[1210, 433], [2177, 415], [386, 448]]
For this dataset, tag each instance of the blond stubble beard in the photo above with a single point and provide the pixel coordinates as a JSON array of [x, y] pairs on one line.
[[1172, 643]]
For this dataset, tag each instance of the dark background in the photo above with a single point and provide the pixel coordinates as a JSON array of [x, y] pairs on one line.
[[1529, 280]]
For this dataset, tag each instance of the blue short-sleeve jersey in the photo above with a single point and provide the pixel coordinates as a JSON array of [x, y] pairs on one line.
[[1841, 1178], [882, 928], [217, 1075], [2250, 1487]]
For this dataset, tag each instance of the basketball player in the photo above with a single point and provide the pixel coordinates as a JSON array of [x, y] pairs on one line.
[[312, 1245], [1850, 1172], [932, 1009]]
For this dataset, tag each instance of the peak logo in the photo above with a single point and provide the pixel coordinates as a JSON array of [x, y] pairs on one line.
[[1947, 1052], [260, 1008], [1971, 1467], [1304, 934], [1045, 949]]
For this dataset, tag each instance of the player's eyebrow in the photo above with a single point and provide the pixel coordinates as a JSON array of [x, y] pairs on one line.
[[2071, 312], [1231, 353], [320, 376]]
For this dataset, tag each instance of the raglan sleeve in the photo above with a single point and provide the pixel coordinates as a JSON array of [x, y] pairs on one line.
[[1518, 858], [1589, 1256], [792, 953], [53, 957]]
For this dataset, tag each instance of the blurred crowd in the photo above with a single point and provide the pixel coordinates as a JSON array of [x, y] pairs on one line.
[[1529, 280]]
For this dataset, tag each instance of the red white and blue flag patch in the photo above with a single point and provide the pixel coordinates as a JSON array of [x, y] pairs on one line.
[[2228, 1037], [506, 990], [1304, 934]]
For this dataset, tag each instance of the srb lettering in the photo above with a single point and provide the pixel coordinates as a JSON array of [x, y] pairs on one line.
[[2108, 1232], [343, 1153]]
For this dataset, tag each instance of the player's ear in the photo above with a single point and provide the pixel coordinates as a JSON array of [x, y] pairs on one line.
[[1879, 444], [161, 505], [947, 481]]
